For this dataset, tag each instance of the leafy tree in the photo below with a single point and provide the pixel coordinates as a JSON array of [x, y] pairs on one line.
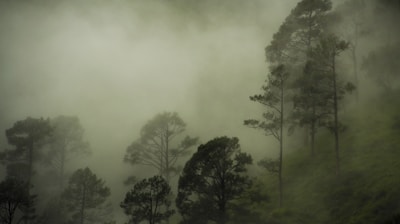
[[66, 143], [13, 196], [156, 146], [291, 46], [85, 196], [148, 200], [27, 136], [273, 99], [211, 179], [299, 32], [325, 60]]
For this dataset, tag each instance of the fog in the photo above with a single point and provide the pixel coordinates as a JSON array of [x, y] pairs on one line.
[[115, 64]]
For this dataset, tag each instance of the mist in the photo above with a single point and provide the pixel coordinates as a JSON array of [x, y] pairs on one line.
[[115, 64]]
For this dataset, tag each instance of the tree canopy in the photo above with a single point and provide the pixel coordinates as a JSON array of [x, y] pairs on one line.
[[211, 179], [85, 197], [157, 145], [148, 200]]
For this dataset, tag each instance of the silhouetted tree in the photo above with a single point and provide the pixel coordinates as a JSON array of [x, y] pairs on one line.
[[298, 33], [324, 58], [273, 98], [310, 107], [66, 143], [292, 44], [27, 137], [156, 147], [211, 179], [86, 196], [148, 200], [13, 196]]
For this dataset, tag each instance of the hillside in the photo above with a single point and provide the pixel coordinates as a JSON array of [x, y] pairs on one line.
[[367, 190]]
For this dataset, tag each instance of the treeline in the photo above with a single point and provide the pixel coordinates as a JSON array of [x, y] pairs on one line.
[[325, 65], [321, 61], [35, 189]]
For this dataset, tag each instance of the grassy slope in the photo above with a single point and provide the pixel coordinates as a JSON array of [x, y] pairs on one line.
[[368, 190]]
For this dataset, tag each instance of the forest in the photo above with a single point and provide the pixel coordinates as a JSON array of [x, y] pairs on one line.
[[197, 112]]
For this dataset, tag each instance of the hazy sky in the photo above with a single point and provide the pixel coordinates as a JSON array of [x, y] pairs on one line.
[[115, 64]]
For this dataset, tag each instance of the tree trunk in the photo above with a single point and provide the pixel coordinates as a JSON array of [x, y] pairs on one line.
[[355, 66], [82, 212], [168, 170], [313, 129], [29, 204], [336, 123], [62, 164], [312, 138], [281, 149]]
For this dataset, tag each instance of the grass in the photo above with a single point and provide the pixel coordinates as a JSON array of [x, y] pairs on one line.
[[368, 190]]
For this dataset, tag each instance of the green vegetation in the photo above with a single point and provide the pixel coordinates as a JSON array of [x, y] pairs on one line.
[[367, 190], [337, 154]]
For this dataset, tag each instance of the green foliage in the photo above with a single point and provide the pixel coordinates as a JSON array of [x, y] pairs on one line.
[[270, 165], [367, 189], [148, 200], [246, 208], [272, 98], [85, 197], [300, 29], [211, 180], [26, 136]]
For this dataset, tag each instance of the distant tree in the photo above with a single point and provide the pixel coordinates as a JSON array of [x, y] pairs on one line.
[[292, 45], [211, 179], [273, 98], [310, 107], [248, 208], [54, 211], [272, 166], [27, 136], [148, 200], [66, 143], [352, 27], [85, 197], [324, 58], [299, 32], [382, 66], [156, 146], [13, 196]]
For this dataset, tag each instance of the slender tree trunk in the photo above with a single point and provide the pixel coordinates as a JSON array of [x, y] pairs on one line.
[[62, 164], [336, 122], [313, 138], [223, 201], [11, 211], [29, 204], [281, 148], [151, 218], [168, 170], [354, 58], [313, 129], [82, 212]]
